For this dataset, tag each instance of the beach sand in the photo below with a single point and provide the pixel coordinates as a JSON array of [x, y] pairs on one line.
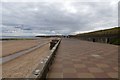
[[24, 65], [13, 46]]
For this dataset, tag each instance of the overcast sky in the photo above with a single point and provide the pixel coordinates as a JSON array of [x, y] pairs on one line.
[[39, 18]]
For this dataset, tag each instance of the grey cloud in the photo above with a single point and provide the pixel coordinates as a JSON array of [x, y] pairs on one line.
[[54, 18]]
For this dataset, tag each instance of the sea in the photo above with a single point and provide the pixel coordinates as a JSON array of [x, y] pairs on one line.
[[18, 37]]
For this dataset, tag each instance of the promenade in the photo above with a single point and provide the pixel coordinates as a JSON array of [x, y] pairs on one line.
[[82, 59]]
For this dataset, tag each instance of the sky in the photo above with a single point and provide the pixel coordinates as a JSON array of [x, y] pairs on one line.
[[52, 17]]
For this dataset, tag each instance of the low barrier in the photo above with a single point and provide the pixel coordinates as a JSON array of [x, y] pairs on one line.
[[104, 39], [41, 71]]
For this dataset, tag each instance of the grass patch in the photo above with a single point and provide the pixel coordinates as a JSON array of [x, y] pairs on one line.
[[115, 41], [106, 32]]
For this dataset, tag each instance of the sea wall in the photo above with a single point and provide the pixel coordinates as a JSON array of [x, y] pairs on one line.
[[110, 36]]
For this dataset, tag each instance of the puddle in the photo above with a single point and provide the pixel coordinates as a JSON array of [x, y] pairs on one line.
[[96, 56]]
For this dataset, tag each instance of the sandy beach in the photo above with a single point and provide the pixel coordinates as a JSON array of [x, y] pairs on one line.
[[24, 65], [13, 46]]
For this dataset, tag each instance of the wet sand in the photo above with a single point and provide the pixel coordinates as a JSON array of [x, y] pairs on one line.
[[0, 48], [13, 46], [23, 66], [0, 64]]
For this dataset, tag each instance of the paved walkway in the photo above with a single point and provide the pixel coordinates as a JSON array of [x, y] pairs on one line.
[[83, 59]]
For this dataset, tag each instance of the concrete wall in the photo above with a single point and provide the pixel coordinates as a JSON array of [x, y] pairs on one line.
[[106, 39]]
